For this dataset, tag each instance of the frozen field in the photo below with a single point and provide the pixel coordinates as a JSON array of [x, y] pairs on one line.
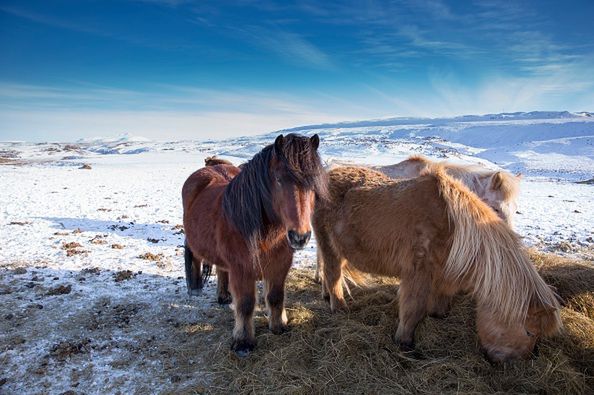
[[91, 264]]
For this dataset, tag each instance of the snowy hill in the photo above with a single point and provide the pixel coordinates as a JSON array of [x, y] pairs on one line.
[[557, 145]]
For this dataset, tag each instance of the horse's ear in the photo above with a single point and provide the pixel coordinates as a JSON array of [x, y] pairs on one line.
[[278, 144], [496, 181], [315, 141]]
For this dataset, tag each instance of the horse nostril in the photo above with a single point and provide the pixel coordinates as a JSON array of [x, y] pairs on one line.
[[298, 239], [305, 237], [292, 235]]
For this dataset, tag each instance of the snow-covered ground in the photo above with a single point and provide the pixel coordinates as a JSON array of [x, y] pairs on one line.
[[91, 265]]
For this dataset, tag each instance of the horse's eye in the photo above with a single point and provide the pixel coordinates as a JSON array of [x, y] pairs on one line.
[[278, 180], [530, 334]]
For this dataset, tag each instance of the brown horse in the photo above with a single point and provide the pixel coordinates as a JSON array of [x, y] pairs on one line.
[[499, 189], [440, 239], [223, 295], [249, 222], [213, 161]]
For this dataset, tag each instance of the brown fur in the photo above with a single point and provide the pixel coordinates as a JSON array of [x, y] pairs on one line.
[[440, 239]]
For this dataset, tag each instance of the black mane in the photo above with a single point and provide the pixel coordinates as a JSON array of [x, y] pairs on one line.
[[247, 200]]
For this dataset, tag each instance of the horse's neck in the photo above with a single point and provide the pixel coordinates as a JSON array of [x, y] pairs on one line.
[[469, 178]]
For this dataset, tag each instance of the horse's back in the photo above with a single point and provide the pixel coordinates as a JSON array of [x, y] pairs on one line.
[[409, 168], [201, 179], [342, 179]]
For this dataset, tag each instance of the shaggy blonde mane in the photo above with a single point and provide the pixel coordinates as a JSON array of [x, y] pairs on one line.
[[472, 175], [488, 257]]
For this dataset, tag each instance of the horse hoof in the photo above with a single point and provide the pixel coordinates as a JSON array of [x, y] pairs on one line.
[[242, 348], [280, 329], [406, 346], [194, 291], [339, 307], [224, 299]]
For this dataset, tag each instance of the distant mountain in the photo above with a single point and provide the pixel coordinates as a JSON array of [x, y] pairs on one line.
[[512, 116]]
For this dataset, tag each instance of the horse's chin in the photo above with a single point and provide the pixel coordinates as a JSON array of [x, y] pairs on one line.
[[297, 247]]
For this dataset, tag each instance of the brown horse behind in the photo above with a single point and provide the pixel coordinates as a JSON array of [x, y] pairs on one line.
[[440, 239], [213, 161], [499, 189], [249, 222]]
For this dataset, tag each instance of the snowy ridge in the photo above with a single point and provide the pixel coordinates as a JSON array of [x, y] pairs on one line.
[[558, 145]]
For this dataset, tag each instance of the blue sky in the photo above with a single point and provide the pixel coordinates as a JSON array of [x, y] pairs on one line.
[[197, 69]]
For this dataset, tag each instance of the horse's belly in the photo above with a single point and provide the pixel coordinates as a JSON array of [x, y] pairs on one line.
[[361, 255]]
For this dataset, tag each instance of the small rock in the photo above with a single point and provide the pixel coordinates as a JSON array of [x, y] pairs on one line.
[[3, 381], [86, 166], [75, 252], [5, 290], [123, 275], [20, 270], [60, 290], [71, 245], [20, 223], [149, 256], [9, 316]]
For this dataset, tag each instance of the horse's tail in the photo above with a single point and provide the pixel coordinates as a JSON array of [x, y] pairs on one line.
[[353, 276], [487, 257], [197, 272]]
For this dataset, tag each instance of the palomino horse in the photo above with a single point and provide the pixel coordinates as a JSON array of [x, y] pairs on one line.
[[440, 239], [248, 223], [499, 189]]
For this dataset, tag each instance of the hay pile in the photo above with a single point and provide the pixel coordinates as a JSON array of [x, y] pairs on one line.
[[354, 353]]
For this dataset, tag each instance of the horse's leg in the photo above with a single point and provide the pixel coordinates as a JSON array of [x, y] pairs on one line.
[[333, 281], [223, 294], [439, 301], [320, 274], [275, 304], [193, 268], [415, 286], [243, 290], [317, 276]]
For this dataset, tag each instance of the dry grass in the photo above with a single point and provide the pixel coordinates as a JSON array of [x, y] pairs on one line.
[[354, 353]]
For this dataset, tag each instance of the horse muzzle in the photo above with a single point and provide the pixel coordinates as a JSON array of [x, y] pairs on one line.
[[297, 241]]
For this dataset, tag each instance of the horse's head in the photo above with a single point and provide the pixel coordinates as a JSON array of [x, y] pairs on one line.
[[502, 342], [500, 192], [296, 176]]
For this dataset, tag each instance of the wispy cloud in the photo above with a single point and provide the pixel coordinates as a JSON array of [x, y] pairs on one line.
[[91, 27], [290, 46]]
